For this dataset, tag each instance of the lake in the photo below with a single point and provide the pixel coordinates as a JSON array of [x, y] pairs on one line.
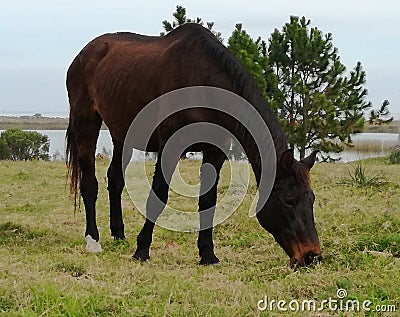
[[104, 145]]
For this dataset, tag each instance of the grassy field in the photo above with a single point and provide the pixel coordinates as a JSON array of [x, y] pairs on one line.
[[46, 272], [32, 123]]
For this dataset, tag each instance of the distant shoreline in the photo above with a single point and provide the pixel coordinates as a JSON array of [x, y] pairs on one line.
[[38, 122], [35, 122]]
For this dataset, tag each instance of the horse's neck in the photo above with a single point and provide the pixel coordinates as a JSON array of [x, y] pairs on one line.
[[275, 148], [256, 162]]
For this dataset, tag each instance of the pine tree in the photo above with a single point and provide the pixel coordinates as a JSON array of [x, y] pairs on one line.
[[321, 107], [380, 116], [253, 54], [247, 52], [181, 18]]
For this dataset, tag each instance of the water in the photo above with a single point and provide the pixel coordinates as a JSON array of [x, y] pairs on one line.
[[57, 141], [383, 141], [104, 144]]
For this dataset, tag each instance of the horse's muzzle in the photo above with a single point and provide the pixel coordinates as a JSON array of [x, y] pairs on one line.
[[308, 258]]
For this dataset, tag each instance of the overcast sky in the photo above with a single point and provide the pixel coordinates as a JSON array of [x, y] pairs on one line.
[[40, 38]]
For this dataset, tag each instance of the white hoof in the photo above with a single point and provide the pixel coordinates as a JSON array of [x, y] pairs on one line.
[[92, 245]]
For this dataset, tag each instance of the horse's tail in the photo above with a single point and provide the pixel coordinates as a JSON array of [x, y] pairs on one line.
[[74, 80], [71, 156]]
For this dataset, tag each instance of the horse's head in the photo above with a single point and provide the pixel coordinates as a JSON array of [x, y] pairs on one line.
[[288, 213]]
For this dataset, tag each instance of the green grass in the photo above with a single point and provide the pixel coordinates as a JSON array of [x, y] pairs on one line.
[[44, 270]]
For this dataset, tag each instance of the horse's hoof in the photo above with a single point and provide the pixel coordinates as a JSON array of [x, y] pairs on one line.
[[92, 246], [209, 260], [141, 255]]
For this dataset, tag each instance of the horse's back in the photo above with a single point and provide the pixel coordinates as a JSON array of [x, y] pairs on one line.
[[126, 56]]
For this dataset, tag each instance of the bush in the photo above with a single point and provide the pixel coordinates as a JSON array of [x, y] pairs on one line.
[[360, 178], [394, 156], [18, 145]]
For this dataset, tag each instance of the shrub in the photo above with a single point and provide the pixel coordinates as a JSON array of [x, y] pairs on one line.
[[18, 145], [394, 156], [360, 178]]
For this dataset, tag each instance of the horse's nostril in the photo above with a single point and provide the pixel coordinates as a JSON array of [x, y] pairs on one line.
[[308, 258], [311, 257]]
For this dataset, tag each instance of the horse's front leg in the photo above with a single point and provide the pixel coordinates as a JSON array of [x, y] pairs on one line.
[[209, 177], [156, 202]]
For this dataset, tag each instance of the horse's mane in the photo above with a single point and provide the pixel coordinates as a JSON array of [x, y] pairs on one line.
[[244, 83], [302, 174]]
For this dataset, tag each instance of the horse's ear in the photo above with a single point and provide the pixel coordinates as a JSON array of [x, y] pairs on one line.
[[286, 160], [310, 160]]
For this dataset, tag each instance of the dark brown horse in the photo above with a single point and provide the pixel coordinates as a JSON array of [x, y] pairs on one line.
[[116, 75]]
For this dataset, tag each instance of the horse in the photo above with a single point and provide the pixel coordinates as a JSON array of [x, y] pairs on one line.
[[116, 75]]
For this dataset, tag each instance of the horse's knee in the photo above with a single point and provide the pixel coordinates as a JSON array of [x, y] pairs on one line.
[[115, 186]]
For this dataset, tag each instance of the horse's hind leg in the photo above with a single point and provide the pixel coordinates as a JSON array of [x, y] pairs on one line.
[[87, 132], [209, 176], [115, 187], [156, 202], [82, 133]]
